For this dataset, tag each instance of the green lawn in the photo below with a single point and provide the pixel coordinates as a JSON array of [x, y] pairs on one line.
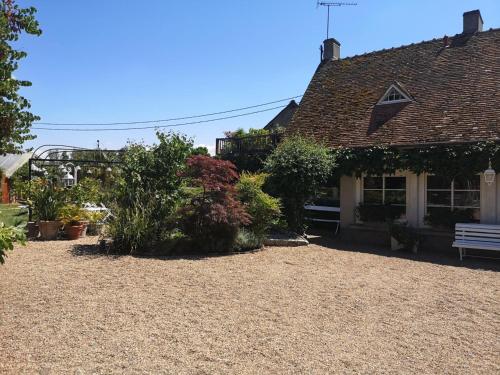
[[11, 214]]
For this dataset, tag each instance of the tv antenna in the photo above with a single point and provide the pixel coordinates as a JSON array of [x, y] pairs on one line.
[[328, 5]]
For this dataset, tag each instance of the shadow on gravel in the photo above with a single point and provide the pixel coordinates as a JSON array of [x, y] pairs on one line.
[[94, 250], [98, 251], [444, 258]]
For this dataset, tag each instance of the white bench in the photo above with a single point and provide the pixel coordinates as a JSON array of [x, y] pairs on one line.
[[476, 236], [310, 207]]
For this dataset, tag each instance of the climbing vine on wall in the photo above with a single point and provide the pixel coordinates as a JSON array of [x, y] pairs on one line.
[[443, 160]]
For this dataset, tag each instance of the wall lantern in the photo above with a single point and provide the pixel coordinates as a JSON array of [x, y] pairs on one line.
[[68, 180], [108, 169], [489, 175]]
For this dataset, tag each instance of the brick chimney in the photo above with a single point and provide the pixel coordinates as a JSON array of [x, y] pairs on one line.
[[331, 49], [473, 22]]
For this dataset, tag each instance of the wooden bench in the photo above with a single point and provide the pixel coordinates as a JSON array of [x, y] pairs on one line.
[[476, 236], [310, 207]]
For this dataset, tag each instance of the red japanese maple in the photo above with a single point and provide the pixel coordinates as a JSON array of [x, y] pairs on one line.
[[212, 217]]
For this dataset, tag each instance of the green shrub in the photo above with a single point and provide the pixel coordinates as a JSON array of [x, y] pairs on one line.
[[297, 169], [133, 229], [247, 240], [263, 208], [8, 236], [149, 193]]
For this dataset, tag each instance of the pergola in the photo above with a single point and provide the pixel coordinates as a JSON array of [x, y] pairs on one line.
[[61, 156]]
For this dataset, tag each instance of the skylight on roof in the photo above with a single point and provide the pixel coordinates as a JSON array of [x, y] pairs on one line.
[[394, 95]]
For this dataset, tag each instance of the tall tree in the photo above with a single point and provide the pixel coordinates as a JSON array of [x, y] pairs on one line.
[[15, 118]]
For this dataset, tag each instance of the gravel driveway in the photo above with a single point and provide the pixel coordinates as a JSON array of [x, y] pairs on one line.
[[309, 310]]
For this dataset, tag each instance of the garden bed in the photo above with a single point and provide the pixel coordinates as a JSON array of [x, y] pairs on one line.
[[281, 310]]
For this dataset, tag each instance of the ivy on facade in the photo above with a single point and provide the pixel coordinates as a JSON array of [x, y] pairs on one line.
[[444, 160]]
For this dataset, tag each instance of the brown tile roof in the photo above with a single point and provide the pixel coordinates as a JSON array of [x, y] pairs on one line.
[[456, 92]]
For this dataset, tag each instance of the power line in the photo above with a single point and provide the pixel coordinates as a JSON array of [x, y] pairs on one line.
[[160, 126], [164, 120]]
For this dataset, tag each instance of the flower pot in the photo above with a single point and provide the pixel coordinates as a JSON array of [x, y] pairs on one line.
[[396, 245], [49, 229], [73, 232], [33, 229], [85, 224]]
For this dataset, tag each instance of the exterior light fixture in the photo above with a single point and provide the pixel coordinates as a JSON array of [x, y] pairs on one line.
[[108, 169], [89, 171], [68, 179], [489, 175]]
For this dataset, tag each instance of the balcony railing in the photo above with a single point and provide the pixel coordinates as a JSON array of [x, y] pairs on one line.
[[247, 144]]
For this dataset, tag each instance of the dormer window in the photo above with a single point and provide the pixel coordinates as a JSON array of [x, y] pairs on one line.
[[394, 94]]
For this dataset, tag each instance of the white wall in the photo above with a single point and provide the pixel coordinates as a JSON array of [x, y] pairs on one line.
[[350, 197], [489, 202], [347, 200]]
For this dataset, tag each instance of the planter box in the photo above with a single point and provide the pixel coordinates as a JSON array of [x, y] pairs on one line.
[[49, 229]]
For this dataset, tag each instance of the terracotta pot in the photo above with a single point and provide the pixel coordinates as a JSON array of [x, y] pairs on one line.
[[85, 224], [33, 229], [49, 229], [73, 232]]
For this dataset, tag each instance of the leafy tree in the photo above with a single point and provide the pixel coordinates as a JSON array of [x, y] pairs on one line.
[[240, 133], [297, 169], [200, 150], [212, 217], [15, 119]]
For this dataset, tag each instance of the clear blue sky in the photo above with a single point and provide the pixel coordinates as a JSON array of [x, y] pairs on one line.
[[123, 60]]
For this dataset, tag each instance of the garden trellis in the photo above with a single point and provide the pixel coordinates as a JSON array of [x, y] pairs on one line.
[[64, 157]]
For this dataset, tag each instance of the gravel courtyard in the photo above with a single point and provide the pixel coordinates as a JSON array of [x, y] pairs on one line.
[[310, 310]]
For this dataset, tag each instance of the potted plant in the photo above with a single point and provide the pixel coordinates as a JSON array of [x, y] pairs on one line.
[[71, 216], [84, 221], [95, 223], [47, 202], [403, 237]]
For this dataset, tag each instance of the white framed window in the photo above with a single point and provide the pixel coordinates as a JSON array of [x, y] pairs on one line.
[[458, 194], [394, 95], [385, 190]]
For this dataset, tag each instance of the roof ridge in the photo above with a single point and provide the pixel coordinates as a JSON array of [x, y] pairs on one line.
[[434, 40]]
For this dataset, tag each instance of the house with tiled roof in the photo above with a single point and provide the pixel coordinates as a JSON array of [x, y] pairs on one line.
[[437, 92]]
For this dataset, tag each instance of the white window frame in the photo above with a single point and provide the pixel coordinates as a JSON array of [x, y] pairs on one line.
[[397, 174], [452, 191], [393, 86]]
